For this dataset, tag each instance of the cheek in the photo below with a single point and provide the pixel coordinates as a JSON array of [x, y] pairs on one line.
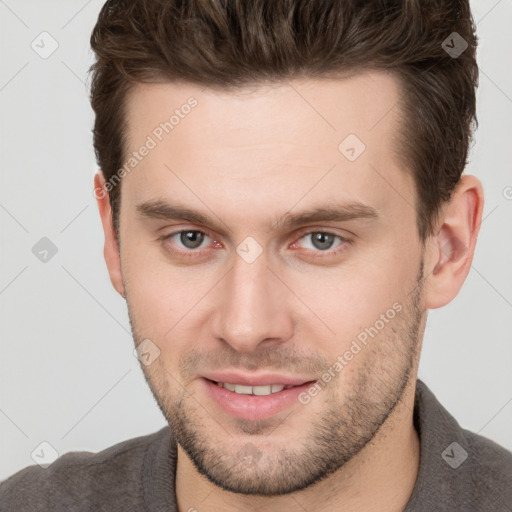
[[338, 301], [349, 299], [152, 294], [163, 297]]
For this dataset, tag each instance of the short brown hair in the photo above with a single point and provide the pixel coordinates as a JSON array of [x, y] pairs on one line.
[[235, 43]]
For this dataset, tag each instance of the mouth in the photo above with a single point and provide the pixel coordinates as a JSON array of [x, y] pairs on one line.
[[242, 389], [254, 402]]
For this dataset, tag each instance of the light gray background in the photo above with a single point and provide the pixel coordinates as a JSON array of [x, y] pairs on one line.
[[67, 371]]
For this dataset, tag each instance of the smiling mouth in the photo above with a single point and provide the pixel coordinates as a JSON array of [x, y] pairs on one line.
[[269, 389]]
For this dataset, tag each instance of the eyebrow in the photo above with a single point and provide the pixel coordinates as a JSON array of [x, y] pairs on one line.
[[159, 209]]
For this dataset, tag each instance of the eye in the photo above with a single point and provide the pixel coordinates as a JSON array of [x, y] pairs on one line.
[[189, 239], [322, 241], [188, 242]]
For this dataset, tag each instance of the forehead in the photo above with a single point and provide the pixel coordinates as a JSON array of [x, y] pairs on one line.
[[354, 103], [309, 138]]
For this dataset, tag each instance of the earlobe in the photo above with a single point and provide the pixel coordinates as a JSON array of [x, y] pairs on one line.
[[111, 249], [452, 248]]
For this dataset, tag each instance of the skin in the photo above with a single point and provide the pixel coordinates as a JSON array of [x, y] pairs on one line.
[[245, 160]]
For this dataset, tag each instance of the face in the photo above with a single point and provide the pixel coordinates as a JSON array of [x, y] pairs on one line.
[[297, 263]]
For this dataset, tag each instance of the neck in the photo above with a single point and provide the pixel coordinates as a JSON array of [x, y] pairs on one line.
[[381, 477]]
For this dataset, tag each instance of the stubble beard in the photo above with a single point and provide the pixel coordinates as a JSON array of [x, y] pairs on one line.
[[245, 464]]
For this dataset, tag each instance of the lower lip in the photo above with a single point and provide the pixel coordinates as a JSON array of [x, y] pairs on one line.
[[254, 407]]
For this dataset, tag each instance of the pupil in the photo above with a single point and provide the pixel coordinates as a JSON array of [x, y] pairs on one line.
[[192, 239], [322, 237]]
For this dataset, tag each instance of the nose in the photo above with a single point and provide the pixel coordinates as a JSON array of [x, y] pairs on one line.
[[253, 308]]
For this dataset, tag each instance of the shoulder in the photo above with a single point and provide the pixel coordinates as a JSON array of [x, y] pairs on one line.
[[459, 469], [79, 481], [490, 471]]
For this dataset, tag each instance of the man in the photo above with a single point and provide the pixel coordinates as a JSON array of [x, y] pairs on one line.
[[283, 201]]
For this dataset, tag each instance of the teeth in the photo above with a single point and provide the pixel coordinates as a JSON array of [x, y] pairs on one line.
[[243, 390], [253, 390]]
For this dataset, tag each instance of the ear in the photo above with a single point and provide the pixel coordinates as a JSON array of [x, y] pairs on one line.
[[111, 249], [451, 249]]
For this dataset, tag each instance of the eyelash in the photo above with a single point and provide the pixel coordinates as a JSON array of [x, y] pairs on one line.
[[319, 254]]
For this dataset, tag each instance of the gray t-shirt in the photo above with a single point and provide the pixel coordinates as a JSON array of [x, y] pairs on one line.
[[459, 471]]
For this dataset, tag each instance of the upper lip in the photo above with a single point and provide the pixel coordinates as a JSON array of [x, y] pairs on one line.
[[256, 380]]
